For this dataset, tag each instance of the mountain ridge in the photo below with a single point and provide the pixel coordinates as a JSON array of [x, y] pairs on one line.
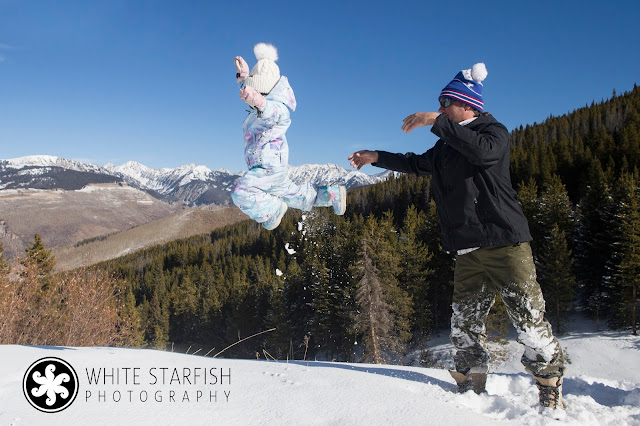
[[191, 184]]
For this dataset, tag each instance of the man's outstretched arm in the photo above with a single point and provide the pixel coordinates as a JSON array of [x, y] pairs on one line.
[[362, 158]]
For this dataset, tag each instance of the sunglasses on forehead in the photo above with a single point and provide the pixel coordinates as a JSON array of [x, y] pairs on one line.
[[446, 102]]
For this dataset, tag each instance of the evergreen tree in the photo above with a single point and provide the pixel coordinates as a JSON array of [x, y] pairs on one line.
[[324, 326], [279, 343], [529, 200], [594, 240], [556, 208], [131, 319], [184, 307], [415, 272], [440, 286], [625, 262], [387, 256], [374, 318], [38, 254], [298, 314], [554, 270], [553, 221], [327, 253], [384, 308], [157, 333], [154, 281]]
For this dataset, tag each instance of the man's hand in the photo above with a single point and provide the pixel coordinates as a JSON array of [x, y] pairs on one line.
[[253, 98], [242, 69], [361, 158], [419, 119]]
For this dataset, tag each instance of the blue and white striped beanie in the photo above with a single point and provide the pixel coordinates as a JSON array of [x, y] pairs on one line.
[[466, 87]]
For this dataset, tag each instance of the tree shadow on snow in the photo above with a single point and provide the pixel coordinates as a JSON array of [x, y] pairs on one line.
[[413, 376], [601, 393], [51, 348]]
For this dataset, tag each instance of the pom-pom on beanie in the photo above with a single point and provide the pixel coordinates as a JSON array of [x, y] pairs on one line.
[[466, 87], [265, 74]]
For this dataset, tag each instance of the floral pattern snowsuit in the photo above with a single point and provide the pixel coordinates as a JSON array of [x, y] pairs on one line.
[[260, 191]]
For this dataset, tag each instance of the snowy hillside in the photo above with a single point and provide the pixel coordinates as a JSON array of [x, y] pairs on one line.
[[602, 387]]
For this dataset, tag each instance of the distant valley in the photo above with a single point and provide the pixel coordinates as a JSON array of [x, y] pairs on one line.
[[64, 217], [188, 222]]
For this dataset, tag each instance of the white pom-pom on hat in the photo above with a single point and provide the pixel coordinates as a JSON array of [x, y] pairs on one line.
[[265, 51], [466, 86], [266, 73], [479, 72]]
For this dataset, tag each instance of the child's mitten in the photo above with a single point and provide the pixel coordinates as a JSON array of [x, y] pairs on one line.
[[252, 97], [242, 69]]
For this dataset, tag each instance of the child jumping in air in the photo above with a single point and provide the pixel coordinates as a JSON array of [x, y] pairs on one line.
[[265, 192]]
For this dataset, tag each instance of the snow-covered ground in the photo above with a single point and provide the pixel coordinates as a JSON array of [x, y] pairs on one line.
[[602, 387]]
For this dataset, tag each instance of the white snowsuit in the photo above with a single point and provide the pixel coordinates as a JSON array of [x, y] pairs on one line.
[[260, 191]]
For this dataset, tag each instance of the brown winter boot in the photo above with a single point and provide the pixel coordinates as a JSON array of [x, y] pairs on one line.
[[471, 381], [550, 392]]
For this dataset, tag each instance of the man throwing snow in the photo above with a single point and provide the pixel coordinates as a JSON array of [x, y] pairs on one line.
[[482, 222]]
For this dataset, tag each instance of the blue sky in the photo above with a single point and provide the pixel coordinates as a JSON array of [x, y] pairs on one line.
[[153, 80]]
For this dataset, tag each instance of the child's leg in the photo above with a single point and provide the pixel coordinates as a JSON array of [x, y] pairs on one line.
[[306, 196], [332, 196], [252, 196], [301, 197]]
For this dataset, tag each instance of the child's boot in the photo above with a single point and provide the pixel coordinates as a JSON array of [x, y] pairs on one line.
[[335, 196], [274, 220]]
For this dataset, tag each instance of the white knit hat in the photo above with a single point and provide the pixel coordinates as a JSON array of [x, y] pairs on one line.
[[265, 74]]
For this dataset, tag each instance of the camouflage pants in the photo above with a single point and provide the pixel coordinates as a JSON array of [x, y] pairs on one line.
[[509, 271]]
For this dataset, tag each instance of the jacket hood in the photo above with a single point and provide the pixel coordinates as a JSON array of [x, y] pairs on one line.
[[282, 92]]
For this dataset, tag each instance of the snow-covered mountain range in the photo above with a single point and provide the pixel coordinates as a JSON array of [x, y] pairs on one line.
[[191, 183], [35, 161]]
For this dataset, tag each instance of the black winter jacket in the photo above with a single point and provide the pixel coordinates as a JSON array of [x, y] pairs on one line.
[[471, 183]]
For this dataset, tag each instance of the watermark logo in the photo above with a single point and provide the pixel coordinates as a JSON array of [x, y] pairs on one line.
[[50, 385]]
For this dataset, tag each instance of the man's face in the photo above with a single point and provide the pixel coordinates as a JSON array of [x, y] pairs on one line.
[[456, 111]]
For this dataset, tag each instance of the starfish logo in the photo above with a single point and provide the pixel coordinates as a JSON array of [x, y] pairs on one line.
[[50, 385]]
